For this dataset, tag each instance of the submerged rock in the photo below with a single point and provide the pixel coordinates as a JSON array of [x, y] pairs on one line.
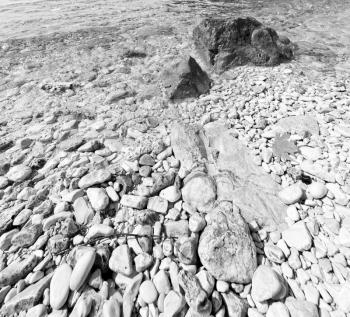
[[185, 79], [224, 43]]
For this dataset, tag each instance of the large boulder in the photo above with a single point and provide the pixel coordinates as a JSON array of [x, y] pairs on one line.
[[226, 248], [184, 79], [224, 43]]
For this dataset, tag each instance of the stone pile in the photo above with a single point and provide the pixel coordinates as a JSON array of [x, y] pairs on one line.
[[175, 220]]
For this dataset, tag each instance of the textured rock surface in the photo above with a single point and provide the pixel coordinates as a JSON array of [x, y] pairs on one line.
[[184, 79], [240, 180], [239, 41], [226, 248]]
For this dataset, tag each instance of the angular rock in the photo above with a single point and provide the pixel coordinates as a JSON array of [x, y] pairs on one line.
[[226, 248], [235, 305], [17, 270], [195, 296], [27, 298], [27, 236], [82, 211], [121, 261], [132, 201], [157, 204], [301, 308], [98, 198], [185, 79], [173, 304], [298, 236], [238, 41], [7, 216]]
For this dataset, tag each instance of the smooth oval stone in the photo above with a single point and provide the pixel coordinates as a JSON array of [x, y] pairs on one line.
[[82, 269], [318, 190], [59, 286], [148, 292], [291, 194]]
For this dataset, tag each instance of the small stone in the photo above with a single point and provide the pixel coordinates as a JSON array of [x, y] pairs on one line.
[[132, 201], [298, 236], [147, 160], [186, 250], [277, 309], [199, 192], [173, 304], [301, 308], [82, 269], [94, 178], [235, 305], [3, 182], [222, 286], [274, 253], [292, 213], [37, 311], [317, 190], [143, 261], [161, 282], [98, 198], [267, 284], [19, 173], [171, 194], [206, 280], [158, 204], [121, 261], [148, 292], [111, 308], [59, 286], [176, 228], [291, 195], [99, 230], [82, 211], [196, 223]]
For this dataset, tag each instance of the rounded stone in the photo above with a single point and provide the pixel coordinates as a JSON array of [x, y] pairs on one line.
[[98, 198], [317, 190], [199, 192], [226, 248], [59, 286], [266, 284], [19, 173], [148, 292], [291, 194]]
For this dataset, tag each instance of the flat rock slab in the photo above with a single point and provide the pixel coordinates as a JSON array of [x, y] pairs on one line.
[[229, 163], [226, 248], [240, 180], [299, 124]]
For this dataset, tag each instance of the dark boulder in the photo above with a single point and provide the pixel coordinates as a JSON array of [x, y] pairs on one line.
[[185, 79], [224, 43]]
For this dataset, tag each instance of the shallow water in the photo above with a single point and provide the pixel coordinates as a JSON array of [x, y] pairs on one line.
[[319, 27]]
